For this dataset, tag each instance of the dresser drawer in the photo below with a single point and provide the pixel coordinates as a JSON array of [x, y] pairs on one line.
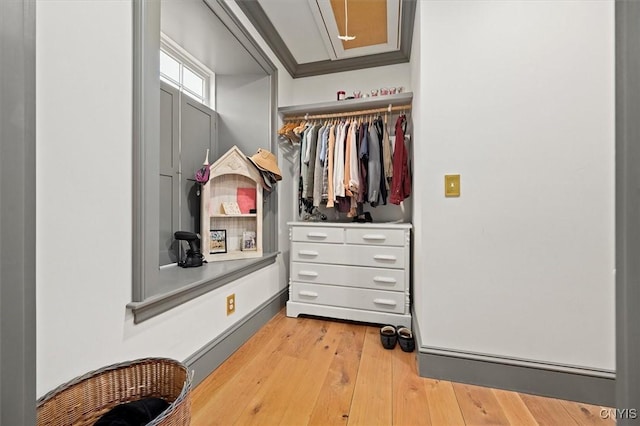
[[349, 276], [381, 257], [317, 234], [374, 236], [348, 297]]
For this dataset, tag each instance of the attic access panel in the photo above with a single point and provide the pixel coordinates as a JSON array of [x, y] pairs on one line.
[[375, 23]]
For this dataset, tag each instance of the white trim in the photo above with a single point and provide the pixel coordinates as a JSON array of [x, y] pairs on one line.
[[176, 51]]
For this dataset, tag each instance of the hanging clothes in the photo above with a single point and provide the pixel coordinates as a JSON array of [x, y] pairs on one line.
[[382, 183], [354, 169], [338, 162], [363, 157], [374, 169], [319, 164], [386, 154], [351, 175], [325, 165], [304, 165], [345, 163], [330, 166], [401, 181], [310, 158], [301, 178]]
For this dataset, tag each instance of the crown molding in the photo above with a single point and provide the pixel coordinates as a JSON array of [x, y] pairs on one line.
[[258, 18]]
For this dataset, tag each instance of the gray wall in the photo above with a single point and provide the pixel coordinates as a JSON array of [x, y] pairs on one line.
[[17, 213], [627, 208], [243, 103]]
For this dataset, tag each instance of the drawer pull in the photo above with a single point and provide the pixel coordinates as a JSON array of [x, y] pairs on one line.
[[375, 237], [317, 235], [387, 280], [387, 257], [308, 253], [386, 302], [308, 274], [308, 293]]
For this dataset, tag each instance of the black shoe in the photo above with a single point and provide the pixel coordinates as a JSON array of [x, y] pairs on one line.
[[405, 338], [388, 336]]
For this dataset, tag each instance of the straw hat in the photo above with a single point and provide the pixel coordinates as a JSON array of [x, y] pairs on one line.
[[265, 161]]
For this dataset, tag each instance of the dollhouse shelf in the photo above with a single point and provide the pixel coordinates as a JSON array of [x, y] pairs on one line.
[[223, 234], [233, 215]]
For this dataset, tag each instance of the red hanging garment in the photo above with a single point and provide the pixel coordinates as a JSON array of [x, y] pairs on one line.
[[401, 180]]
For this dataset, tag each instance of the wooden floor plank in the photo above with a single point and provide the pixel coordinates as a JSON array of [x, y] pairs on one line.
[[298, 371], [334, 400], [238, 360], [310, 384], [586, 414], [229, 389], [547, 411], [272, 400], [410, 405], [514, 408], [479, 405], [308, 331], [443, 405], [372, 396]]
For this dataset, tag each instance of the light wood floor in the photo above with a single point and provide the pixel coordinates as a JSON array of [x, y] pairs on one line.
[[305, 371]]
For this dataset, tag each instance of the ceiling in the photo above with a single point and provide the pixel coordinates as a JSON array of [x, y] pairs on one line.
[[304, 33], [191, 24]]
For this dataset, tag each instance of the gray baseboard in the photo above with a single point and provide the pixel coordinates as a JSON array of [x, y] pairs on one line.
[[204, 361], [556, 381]]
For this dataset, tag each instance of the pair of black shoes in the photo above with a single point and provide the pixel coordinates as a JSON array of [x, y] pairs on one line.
[[390, 335]]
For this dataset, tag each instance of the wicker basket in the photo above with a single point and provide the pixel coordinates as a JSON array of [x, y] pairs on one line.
[[83, 400]]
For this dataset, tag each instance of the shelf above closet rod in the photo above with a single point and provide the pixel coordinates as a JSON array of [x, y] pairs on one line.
[[348, 105], [348, 113]]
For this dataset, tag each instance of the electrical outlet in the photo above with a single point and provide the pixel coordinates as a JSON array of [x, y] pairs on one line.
[[231, 304]]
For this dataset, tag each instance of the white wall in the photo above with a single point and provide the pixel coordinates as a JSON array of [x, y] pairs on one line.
[[418, 288], [517, 97], [83, 179], [323, 88]]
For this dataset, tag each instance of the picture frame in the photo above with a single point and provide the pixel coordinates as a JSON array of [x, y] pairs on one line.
[[249, 242], [217, 241]]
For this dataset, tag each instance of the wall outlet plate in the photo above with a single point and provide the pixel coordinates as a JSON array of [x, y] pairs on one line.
[[451, 185], [231, 304]]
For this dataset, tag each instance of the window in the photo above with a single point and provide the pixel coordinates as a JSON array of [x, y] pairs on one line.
[[184, 72]]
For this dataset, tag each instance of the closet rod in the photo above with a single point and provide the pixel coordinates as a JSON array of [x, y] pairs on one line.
[[349, 113]]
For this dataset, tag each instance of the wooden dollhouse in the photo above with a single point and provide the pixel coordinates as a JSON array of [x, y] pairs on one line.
[[231, 209]]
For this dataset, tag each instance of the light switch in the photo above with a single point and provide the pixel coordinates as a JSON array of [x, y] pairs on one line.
[[451, 185]]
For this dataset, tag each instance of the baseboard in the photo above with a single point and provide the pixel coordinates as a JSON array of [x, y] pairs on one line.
[[557, 381], [204, 361]]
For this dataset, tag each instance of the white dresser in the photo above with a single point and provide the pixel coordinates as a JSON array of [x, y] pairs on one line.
[[351, 271]]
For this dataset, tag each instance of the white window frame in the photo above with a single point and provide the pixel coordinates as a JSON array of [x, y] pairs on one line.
[[178, 53]]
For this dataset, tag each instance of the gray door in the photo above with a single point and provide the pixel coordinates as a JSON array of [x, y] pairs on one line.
[[169, 208], [187, 130], [197, 134]]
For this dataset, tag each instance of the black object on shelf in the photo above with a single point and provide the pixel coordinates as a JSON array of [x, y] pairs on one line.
[[194, 256]]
